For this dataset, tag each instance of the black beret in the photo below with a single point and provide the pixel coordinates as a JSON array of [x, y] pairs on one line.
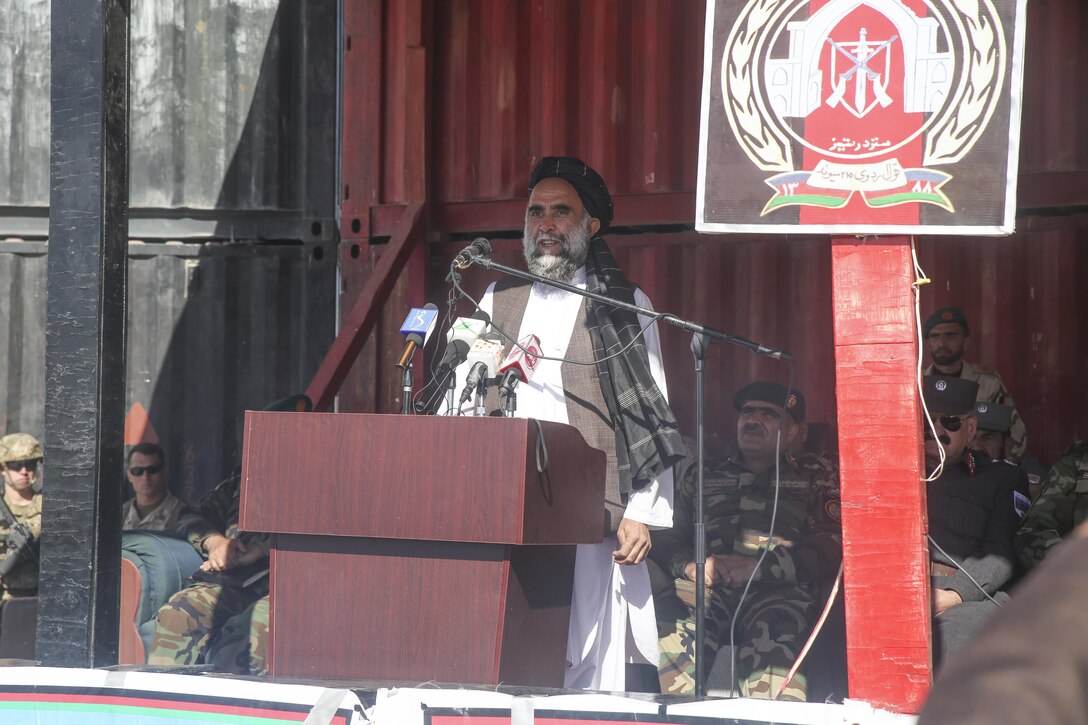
[[774, 393], [945, 314], [587, 182], [949, 396], [993, 416]]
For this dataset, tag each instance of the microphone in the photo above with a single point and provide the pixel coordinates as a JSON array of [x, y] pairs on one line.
[[459, 339], [417, 328], [480, 247], [519, 366], [485, 356]]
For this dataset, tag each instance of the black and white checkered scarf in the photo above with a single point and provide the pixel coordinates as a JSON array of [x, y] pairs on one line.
[[647, 436]]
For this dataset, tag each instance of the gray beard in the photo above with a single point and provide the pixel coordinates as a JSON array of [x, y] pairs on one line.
[[559, 267]]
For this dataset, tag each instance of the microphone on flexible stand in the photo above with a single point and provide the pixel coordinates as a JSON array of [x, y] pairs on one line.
[[480, 248], [485, 356], [416, 329], [519, 366]]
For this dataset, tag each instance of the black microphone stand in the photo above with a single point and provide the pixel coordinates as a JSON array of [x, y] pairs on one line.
[[669, 318], [699, 349], [406, 389]]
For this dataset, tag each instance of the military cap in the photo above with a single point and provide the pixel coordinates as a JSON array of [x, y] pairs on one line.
[[993, 416], [949, 396], [943, 315], [19, 447], [774, 393], [587, 182]]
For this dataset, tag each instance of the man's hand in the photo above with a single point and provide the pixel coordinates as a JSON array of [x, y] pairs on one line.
[[634, 538], [734, 569], [224, 553], [945, 599], [726, 569]]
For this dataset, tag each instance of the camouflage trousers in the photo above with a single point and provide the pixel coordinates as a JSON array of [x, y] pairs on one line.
[[242, 644], [213, 623], [771, 629]]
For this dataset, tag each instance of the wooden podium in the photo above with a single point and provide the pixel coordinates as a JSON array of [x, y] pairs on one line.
[[419, 547]]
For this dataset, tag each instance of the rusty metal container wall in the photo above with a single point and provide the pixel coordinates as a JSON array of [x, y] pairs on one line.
[[616, 83], [1019, 294], [213, 329], [1053, 134], [22, 337], [217, 108]]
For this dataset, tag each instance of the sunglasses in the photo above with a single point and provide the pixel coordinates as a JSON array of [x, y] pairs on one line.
[[149, 470], [951, 423], [30, 465]]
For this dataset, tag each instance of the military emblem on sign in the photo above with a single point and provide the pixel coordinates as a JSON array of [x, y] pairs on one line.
[[849, 97]]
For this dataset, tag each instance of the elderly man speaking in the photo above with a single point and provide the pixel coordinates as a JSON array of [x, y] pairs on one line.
[[606, 380]]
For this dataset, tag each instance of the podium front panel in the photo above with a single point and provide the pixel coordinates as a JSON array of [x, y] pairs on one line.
[[420, 477], [371, 609]]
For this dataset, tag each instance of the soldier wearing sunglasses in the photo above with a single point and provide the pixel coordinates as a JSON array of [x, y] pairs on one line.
[[972, 511], [21, 522], [153, 508]]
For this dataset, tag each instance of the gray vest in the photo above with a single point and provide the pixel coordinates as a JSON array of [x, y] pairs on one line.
[[586, 408]]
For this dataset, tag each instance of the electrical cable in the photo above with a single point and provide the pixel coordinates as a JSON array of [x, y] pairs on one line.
[[812, 637], [766, 547], [965, 572], [921, 279]]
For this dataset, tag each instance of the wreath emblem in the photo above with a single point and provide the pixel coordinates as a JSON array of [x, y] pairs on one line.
[[955, 93]]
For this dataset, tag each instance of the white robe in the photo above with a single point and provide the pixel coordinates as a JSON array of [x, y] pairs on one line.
[[606, 595]]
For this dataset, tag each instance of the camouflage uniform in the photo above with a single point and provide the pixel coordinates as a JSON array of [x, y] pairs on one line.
[[191, 623], [1062, 505], [991, 389], [22, 581], [777, 614], [242, 645]]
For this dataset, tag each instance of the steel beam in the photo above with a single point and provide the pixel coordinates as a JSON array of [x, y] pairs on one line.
[[85, 334]]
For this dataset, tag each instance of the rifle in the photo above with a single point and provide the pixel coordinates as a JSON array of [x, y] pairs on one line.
[[22, 546]]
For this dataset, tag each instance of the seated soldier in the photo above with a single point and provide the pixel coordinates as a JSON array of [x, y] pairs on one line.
[[153, 508], [225, 591], [1061, 506], [21, 516], [947, 336], [994, 437], [972, 515], [242, 646], [802, 551]]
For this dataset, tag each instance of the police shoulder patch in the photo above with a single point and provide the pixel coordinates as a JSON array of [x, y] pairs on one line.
[[833, 509], [1020, 503]]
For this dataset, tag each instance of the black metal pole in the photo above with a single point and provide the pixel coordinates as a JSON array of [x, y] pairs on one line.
[[79, 590], [406, 389], [699, 348], [666, 317]]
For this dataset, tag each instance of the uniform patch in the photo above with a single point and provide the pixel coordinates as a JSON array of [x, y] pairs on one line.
[[833, 509], [1020, 503]]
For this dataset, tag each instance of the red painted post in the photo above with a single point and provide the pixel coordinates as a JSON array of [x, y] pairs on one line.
[[884, 524]]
